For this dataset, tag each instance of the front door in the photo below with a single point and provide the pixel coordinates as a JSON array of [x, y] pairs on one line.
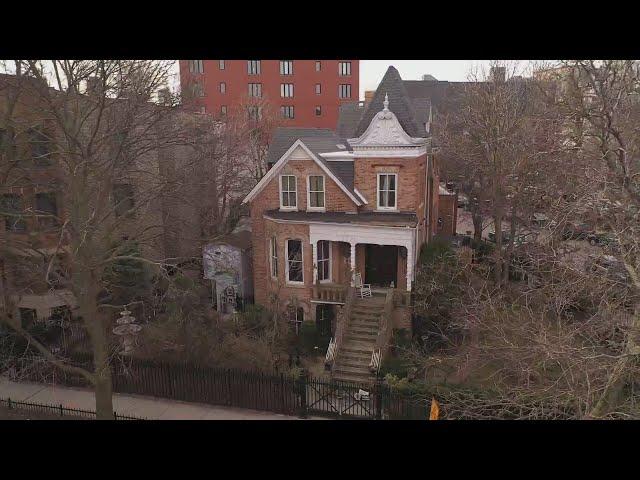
[[381, 265]]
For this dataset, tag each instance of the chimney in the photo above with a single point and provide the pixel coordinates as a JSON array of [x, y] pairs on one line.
[[497, 74], [94, 86], [368, 96], [429, 78]]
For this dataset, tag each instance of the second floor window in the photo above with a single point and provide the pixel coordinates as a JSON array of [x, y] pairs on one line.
[[318, 110], [294, 261], [318, 65], [47, 210], [387, 191], [197, 90], [344, 69], [288, 192], [316, 192], [40, 150], [223, 109], [223, 87], [286, 67], [318, 89], [12, 209], [286, 90], [344, 90], [123, 201], [287, 111], [196, 66], [273, 247], [253, 67], [255, 90], [254, 112], [221, 64]]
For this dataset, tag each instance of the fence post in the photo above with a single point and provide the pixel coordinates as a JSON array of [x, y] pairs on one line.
[[9, 403], [378, 395], [61, 412], [302, 389]]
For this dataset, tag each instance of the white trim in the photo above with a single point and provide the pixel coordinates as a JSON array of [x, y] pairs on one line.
[[288, 208], [286, 259], [283, 160], [340, 156], [324, 195], [392, 152], [364, 200], [273, 245], [378, 207], [329, 259], [312, 222]]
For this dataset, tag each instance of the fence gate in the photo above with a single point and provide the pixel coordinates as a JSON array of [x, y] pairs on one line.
[[343, 400]]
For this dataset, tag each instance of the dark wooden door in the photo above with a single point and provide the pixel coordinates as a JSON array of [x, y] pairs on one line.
[[381, 265]]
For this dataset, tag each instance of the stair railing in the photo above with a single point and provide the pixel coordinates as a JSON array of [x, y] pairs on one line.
[[342, 322], [384, 334]]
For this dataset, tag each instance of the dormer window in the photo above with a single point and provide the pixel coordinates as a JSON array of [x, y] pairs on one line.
[[387, 191], [316, 192], [288, 192]]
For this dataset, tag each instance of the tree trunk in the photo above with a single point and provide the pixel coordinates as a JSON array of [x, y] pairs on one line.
[[477, 225]]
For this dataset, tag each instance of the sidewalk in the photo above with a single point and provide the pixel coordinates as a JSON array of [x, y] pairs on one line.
[[130, 405]]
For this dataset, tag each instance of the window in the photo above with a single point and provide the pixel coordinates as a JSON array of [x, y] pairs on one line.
[[197, 90], [318, 89], [324, 315], [255, 90], [196, 66], [223, 87], [287, 111], [387, 191], [318, 65], [324, 260], [286, 67], [344, 90], [344, 69], [28, 316], [39, 147], [294, 261], [286, 90], [47, 207], [12, 209], [253, 67], [223, 109], [221, 64], [296, 317], [318, 110], [123, 200], [288, 192], [254, 112], [273, 247], [316, 192]]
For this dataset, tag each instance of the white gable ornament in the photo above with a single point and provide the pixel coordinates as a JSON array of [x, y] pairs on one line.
[[385, 136]]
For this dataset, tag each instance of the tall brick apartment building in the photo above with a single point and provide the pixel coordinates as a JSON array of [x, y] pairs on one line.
[[335, 205], [305, 93]]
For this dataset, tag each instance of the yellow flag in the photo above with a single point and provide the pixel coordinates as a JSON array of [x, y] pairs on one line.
[[435, 410]]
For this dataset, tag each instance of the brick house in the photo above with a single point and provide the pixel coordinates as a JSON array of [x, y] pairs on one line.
[[334, 206]]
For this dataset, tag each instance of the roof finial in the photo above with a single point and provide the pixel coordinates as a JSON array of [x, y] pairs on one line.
[[386, 102]]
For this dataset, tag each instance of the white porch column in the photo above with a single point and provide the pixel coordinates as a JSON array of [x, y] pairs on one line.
[[353, 263], [314, 249], [409, 266]]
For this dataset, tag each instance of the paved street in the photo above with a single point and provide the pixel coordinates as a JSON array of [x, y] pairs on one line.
[[131, 405]]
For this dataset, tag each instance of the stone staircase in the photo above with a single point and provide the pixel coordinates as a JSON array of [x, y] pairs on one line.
[[352, 362]]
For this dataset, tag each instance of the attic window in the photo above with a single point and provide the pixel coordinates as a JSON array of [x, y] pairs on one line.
[[341, 146]]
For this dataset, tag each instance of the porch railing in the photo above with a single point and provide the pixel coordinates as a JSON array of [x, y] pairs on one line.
[[342, 321], [330, 293], [384, 333]]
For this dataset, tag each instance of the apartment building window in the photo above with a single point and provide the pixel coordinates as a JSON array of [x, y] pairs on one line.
[[253, 67], [318, 110], [318, 89], [287, 111], [286, 90], [387, 191], [294, 261], [123, 200], [223, 109], [254, 112], [288, 192], [197, 90], [324, 260], [344, 90], [316, 192], [7, 145], [286, 67], [273, 247], [344, 69], [223, 87], [12, 209], [40, 151], [221, 64], [318, 65], [47, 210], [255, 90], [196, 66]]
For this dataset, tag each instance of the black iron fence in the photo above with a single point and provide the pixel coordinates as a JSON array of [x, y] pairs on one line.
[[55, 410]]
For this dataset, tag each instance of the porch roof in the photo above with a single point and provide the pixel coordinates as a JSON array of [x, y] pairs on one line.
[[389, 219]]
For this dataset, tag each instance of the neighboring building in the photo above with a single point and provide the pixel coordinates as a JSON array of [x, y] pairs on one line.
[[447, 212], [362, 200], [305, 93]]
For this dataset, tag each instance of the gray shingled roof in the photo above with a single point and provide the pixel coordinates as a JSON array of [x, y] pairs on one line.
[[349, 117], [369, 218]]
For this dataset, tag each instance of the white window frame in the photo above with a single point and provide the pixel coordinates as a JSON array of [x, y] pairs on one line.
[[196, 66], [395, 207], [347, 89], [324, 194], [318, 65], [273, 257], [221, 65], [287, 111], [255, 90], [286, 254], [318, 89], [286, 90], [344, 69], [328, 259], [286, 67], [223, 87], [223, 109], [253, 67], [282, 207]]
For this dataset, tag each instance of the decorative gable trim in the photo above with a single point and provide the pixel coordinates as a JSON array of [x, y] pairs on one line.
[[273, 172]]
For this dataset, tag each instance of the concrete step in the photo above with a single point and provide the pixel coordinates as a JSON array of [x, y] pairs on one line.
[[368, 340], [357, 371], [363, 332], [356, 348], [349, 363], [358, 380], [354, 357], [366, 313]]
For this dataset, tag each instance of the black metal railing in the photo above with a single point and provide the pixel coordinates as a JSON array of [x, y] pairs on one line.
[[56, 410]]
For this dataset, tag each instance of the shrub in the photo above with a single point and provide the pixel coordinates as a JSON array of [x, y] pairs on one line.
[[310, 341], [432, 251]]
